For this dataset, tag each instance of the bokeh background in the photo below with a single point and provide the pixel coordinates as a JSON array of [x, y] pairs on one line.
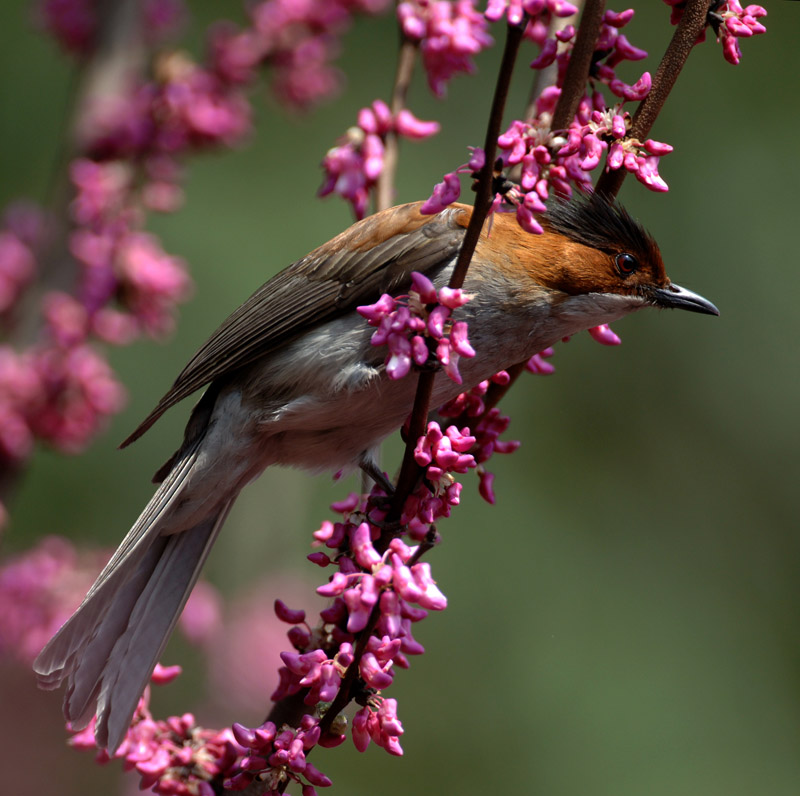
[[624, 620]]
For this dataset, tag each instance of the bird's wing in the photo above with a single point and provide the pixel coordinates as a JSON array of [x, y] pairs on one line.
[[351, 269]]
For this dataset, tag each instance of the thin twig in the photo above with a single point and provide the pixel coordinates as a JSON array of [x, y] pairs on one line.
[[409, 472], [384, 191], [572, 91], [580, 62]]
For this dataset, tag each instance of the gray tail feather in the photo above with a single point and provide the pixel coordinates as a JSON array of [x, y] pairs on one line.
[[107, 650]]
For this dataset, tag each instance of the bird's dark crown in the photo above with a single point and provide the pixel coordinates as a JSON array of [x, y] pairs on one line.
[[599, 222]]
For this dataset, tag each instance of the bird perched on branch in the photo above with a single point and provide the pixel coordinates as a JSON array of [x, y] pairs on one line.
[[292, 379]]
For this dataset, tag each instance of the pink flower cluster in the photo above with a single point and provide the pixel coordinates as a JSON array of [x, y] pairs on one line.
[[353, 166], [60, 389], [378, 722], [612, 49], [120, 264], [59, 395], [39, 589], [175, 756], [21, 233], [540, 14], [451, 34], [445, 452], [730, 21], [489, 425], [375, 593], [607, 131], [408, 325], [554, 160], [366, 579], [298, 41], [277, 756]]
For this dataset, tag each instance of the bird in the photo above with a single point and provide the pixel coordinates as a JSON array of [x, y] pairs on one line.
[[292, 379]]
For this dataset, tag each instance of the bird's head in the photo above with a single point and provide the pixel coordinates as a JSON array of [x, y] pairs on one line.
[[592, 245]]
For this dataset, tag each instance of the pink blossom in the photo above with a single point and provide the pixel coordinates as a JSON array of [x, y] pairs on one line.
[[381, 726], [79, 392], [273, 755], [66, 318], [235, 54], [39, 589], [100, 189], [409, 126], [450, 35], [443, 453], [513, 10], [354, 165], [175, 755], [604, 334], [406, 324], [539, 365], [299, 41], [608, 129], [486, 486], [17, 268], [444, 194], [21, 395], [730, 21], [152, 281]]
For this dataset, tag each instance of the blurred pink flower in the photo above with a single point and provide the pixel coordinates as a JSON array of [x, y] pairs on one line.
[[17, 267], [451, 34], [39, 589], [354, 165], [151, 281]]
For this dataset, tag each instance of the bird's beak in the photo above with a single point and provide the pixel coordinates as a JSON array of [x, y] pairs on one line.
[[676, 297]]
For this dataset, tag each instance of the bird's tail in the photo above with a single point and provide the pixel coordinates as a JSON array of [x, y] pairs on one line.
[[108, 648]]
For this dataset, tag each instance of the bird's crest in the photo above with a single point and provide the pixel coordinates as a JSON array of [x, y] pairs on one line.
[[601, 223]]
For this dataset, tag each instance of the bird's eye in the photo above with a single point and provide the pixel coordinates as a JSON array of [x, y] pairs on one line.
[[626, 264]]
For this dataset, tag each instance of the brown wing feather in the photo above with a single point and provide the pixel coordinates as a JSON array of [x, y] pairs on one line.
[[348, 270]]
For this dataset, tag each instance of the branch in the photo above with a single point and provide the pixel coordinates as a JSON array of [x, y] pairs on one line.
[[580, 63], [409, 472], [548, 76], [574, 88], [384, 193], [683, 40]]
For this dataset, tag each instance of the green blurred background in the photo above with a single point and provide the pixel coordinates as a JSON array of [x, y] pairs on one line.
[[624, 621]]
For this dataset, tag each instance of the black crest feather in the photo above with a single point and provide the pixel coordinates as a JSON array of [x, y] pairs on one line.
[[602, 223]]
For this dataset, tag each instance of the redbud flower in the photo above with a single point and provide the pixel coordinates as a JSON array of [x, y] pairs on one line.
[[17, 268], [444, 194], [39, 589], [354, 165], [730, 22], [450, 35], [404, 325]]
